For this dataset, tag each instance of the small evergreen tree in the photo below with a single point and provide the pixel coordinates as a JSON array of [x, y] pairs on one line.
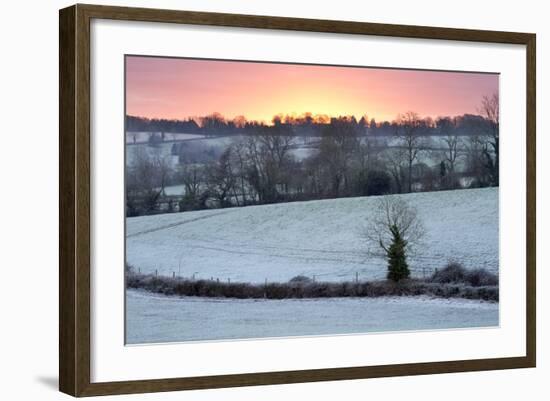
[[397, 259], [395, 228]]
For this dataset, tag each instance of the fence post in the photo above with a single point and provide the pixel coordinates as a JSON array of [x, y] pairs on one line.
[[156, 272], [265, 288], [356, 277], [173, 274]]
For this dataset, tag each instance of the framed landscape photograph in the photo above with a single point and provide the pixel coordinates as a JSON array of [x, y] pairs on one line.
[[251, 200]]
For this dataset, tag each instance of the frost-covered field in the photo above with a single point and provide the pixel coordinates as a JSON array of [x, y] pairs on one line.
[[151, 318], [142, 137], [316, 238]]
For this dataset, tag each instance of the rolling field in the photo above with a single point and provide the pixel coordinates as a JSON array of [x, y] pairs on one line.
[[319, 239], [155, 319]]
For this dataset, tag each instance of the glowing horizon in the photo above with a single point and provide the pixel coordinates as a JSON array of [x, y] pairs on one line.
[[175, 88]]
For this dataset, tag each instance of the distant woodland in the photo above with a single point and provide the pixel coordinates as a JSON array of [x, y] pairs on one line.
[[236, 162]]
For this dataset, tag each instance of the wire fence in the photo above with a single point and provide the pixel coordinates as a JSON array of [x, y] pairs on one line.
[[421, 267]]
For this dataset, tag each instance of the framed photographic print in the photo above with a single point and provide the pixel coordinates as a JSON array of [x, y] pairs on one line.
[[250, 200]]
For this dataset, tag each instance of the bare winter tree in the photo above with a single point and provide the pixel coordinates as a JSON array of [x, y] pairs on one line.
[[192, 176], [146, 179], [393, 215], [490, 111], [276, 157], [221, 179], [239, 156], [409, 127], [446, 127], [475, 161], [267, 164], [339, 145], [395, 160], [277, 146]]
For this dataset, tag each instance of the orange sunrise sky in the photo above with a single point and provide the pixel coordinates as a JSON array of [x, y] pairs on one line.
[[175, 88]]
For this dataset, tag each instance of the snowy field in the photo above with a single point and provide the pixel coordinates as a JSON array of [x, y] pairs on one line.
[[200, 143], [154, 319], [320, 239], [142, 137]]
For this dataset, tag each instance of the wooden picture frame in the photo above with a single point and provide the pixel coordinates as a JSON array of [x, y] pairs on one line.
[[74, 200]]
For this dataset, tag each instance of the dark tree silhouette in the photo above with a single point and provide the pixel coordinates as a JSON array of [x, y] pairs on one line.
[[395, 228], [409, 131], [490, 111], [398, 268]]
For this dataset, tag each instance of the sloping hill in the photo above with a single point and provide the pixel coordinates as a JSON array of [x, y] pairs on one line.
[[316, 238]]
